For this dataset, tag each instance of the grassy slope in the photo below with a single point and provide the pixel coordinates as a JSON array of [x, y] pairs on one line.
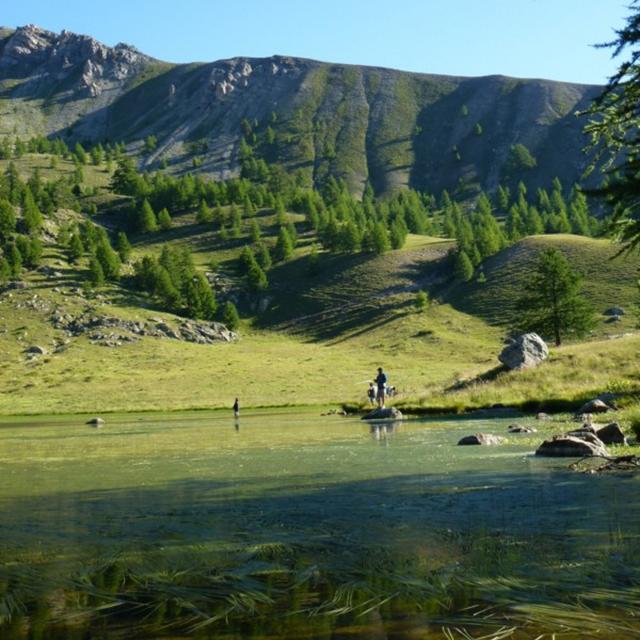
[[607, 281], [321, 339]]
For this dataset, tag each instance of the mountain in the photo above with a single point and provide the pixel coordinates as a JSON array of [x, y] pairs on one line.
[[392, 128]]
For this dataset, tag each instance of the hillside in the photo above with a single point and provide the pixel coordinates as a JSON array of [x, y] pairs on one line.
[[607, 280], [388, 127]]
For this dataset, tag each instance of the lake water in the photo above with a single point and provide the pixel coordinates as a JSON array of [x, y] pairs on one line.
[[300, 526]]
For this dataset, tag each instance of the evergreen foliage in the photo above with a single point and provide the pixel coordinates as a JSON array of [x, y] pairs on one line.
[[552, 304]]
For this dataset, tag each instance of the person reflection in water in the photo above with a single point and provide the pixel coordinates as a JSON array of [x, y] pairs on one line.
[[236, 414]]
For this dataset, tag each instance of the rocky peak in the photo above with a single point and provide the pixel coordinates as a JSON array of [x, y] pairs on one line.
[[31, 49]]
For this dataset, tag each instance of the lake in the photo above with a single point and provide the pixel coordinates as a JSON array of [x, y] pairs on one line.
[[292, 525]]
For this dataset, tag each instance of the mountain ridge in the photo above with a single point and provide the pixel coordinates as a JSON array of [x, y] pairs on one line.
[[362, 123]]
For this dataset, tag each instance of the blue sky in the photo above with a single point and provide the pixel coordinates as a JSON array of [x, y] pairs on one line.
[[523, 38]]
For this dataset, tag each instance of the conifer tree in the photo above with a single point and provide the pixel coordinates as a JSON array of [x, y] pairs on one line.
[[146, 218], [108, 259], [123, 247], [254, 231], [263, 256], [14, 259], [5, 270], [75, 249], [380, 238], [164, 219], [96, 274], [463, 268], [230, 317], [204, 214], [284, 246], [7, 219], [553, 304], [31, 215], [199, 299]]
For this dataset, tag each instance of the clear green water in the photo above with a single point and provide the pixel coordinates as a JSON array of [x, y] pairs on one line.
[[297, 526]]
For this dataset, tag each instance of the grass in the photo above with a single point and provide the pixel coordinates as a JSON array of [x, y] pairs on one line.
[[607, 281]]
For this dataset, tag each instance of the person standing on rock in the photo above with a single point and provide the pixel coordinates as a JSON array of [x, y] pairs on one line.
[[381, 382]]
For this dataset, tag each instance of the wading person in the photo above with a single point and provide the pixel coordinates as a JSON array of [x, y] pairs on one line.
[[381, 382]]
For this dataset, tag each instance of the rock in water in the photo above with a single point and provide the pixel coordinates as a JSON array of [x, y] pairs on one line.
[[387, 413], [98, 422], [481, 438], [571, 447], [611, 434], [518, 428], [525, 351]]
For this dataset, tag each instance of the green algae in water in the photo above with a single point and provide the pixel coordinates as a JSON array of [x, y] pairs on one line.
[[301, 527]]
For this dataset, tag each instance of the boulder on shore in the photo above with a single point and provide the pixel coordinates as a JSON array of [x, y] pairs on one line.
[[571, 447], [481, 438], [594, 406], [95, 421], [611, 434], [37, 350], [385, 413], [525, 351]]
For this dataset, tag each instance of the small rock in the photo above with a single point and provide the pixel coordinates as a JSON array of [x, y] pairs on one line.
[[518, 428], [481, 438], [613, 311], [95, 421], [36, 349], [542, 416], [571, 446], [386, 413]]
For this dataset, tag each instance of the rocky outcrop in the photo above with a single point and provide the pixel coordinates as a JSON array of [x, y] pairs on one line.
[[93, 66], [567, 446], [525, 351], [386, 413], [114, 332], [481, 438]]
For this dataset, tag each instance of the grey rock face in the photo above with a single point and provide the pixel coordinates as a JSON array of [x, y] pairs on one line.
[[387, 413], [525, 351], [481, 438], [571, 446]]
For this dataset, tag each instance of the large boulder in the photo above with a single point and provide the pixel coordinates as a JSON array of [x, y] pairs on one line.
[[594, 406], [611, 434], [571, 447], [481, 438], [525, 351], [385, 413]]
